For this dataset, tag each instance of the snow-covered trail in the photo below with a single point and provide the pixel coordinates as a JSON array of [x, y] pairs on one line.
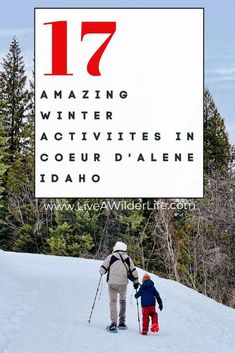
[[45, 303]]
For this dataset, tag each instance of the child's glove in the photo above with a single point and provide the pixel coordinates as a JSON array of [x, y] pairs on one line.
[[160, 307], [135, 285]]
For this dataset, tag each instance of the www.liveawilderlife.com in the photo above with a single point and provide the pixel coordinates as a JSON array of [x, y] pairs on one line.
[[123, 205]]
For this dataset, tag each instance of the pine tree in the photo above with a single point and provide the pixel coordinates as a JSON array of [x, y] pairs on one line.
[[14, 94], [16, 139], [217, 150]]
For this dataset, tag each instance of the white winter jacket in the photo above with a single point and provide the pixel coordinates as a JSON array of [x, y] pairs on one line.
[[117, 270]]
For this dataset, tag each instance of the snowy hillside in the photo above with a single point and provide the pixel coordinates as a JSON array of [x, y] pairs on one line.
[[45, 303]]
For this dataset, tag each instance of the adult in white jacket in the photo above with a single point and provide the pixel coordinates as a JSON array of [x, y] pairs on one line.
[[119, 267]]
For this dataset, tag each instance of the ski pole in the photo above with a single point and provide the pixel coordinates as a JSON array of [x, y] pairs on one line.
[[101, 288], [131, 298], [93, 305], [138, 313]]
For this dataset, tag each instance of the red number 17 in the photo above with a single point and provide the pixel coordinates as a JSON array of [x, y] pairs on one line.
[[59, 45]]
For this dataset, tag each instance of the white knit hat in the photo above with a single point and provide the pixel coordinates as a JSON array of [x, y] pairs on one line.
[[120, 246]]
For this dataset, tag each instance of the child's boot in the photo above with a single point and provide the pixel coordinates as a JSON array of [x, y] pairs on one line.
[[154, 327]]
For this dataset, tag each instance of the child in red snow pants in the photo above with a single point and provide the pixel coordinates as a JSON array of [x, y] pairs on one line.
[[149, 295]]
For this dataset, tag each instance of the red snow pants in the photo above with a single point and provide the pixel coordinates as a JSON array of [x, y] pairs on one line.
[[149, 311]]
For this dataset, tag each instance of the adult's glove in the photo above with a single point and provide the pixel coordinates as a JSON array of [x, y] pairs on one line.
[[160, 307], [136, 285]]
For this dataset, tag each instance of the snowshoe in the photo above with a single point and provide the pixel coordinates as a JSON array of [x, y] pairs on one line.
[[154, 328], [122, 327], [112, 328]]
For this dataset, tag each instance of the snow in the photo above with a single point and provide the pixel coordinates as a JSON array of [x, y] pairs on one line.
[[45, 303]]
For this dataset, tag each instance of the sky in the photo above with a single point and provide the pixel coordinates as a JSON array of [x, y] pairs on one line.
[[16, 19]]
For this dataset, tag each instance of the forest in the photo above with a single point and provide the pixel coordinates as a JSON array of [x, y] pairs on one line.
[[194, 246]]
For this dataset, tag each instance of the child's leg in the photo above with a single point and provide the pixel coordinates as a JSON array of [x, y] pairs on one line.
[[145, 319], [154, 316]]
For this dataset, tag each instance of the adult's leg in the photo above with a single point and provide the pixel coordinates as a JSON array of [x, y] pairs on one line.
[[113, 292], [122, 313]]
